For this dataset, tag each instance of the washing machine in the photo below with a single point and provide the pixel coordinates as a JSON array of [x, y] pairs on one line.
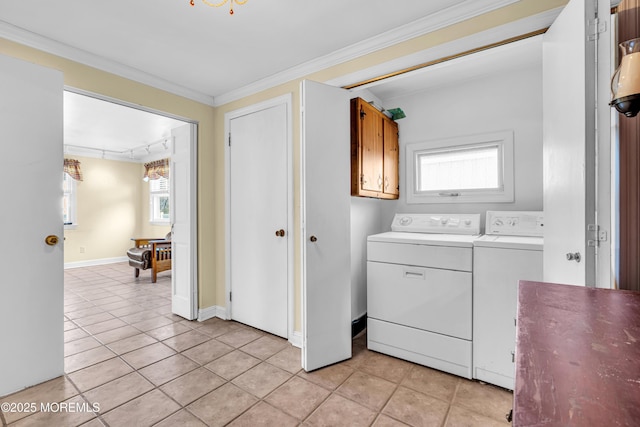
[[509, 251], [420, 290]]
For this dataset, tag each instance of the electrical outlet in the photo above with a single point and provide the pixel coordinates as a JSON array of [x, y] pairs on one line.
[[81, 249]]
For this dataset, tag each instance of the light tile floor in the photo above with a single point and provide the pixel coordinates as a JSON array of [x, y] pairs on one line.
[[143, 366]]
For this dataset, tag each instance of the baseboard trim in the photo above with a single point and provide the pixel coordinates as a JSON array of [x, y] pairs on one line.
[[358, 325], [211, 312], [295, 339], [94, 262]]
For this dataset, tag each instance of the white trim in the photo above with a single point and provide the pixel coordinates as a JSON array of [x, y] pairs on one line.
[[449, 16], [94, 262], [428, 24], [295, 339], [27, 38], [211, 312], [286, 100], [474, 41], [502, 139]]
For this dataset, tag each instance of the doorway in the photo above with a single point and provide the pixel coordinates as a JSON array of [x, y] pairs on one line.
[[259, 196], [114, 140]]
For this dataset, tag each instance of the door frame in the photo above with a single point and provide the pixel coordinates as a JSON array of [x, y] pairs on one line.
[[193, 177], [287, 101]]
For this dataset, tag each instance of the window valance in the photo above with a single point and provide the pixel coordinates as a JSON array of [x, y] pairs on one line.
[[72, 167], [157, 169]]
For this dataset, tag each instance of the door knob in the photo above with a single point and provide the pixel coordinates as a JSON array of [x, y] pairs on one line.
[[313, 238], [51, 240], [280, 233], [574, 257]]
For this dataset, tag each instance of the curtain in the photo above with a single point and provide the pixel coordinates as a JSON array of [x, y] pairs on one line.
[[156, 170], [72, 167]]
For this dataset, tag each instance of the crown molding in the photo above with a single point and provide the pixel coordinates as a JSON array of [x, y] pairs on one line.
[[447, 17], [36, 41], [452, 15], [494, 35]]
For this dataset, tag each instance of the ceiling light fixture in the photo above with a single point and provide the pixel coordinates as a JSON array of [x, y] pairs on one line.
[[221, 3]]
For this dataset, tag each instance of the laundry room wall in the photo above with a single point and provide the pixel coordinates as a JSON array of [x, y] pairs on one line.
[[499, 101]]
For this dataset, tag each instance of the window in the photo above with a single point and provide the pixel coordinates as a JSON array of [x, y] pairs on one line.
[[476, 168], [159, 200], [69, 205]]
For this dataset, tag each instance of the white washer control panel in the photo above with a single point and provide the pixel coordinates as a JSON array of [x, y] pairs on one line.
[[437, 223], [515, 223]]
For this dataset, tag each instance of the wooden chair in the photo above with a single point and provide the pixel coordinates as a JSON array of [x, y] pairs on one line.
[[151, 253]]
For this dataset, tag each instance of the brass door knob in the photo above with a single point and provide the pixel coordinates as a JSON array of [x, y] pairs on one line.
[[51, 240], [313, 238], [280, 233]]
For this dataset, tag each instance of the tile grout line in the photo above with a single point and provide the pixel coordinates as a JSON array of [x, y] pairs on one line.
[[453, 398]]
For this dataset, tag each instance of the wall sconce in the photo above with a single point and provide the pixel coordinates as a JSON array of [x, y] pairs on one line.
[[625, 84]]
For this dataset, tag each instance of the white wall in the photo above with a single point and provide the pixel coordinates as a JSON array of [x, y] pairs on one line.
[[366, 219], [500, 101]]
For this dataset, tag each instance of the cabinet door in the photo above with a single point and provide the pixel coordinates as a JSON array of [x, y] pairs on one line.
[[391, 184], [371, 148]]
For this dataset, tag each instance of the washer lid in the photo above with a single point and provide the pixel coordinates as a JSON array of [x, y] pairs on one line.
[[456, 240], [510, 242]]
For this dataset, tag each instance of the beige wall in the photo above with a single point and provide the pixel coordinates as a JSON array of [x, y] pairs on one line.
[[211, 172], [92, 80], [112, 207]]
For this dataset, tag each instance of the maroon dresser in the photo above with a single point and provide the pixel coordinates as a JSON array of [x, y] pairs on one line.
[[577, 356]]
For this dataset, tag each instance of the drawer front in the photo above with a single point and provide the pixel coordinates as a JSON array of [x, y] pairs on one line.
[[447, 257], [425, 298], [441, 352]]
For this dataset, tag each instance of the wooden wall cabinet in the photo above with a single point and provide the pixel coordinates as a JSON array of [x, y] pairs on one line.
[[374, 152]]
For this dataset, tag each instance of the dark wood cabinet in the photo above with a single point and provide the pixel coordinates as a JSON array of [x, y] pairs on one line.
[[374, 152]]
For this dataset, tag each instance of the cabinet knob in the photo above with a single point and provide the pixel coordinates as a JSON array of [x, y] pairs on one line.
[[280, 233], [379, 181], [313, 239]]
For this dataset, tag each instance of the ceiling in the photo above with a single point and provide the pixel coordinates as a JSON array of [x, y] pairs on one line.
[[98, 128], [206, 54]]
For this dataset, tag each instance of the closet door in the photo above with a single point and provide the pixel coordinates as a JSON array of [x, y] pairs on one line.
[[569, 140], [326, 216]]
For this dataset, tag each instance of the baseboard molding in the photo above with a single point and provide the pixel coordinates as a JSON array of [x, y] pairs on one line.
[[211, 312], [295, 339], [358, 325], [94, 262]]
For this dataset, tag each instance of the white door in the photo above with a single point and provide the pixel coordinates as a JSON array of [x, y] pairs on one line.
[[259, 232], [325, 169], [569, 141], [184, 274], [31, 289]]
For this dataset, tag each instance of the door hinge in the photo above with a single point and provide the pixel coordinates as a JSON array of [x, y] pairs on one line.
[[229, 139], [230, 299], [596, 27], [595, 235], [362, 114]]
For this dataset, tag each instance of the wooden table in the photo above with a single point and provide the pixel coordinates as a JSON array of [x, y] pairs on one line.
[[577, 356]]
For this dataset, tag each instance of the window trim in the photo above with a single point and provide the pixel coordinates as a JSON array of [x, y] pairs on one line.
[[152, 198], [505, 194]]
